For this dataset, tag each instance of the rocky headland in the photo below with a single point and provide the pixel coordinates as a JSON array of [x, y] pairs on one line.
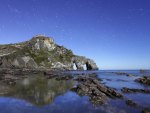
[[42, 52]]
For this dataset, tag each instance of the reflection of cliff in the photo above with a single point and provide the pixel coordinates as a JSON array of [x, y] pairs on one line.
[[40, 91]]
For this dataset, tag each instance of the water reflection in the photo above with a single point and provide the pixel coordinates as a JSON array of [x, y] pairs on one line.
[[40, 95], [39, 90]]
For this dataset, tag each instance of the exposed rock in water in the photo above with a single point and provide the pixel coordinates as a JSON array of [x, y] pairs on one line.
[[132, 103], [123, 73], [143, 71], [129, 90], [144, 80], [42, 52], [146, 110], [97, 92], [64, 77]]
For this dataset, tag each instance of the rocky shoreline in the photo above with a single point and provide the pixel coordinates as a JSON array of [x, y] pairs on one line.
[[92, 87], [86, 85]]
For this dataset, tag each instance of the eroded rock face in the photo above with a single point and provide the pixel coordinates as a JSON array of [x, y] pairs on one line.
[[59, 65], [41, 42], [19, 62], [25, 61], [81, 61], [42, 52]]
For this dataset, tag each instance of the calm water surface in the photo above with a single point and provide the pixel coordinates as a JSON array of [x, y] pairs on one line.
[[39, 95]]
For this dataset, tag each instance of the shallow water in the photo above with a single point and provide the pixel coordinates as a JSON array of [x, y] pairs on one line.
[[37, 94]]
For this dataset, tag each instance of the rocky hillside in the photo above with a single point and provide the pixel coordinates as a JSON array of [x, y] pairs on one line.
[[42, 52]]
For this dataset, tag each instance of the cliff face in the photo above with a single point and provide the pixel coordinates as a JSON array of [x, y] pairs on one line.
[[42, 52]]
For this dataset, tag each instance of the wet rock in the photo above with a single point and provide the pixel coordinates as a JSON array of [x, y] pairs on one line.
[[9, 81], [49, 75], [87, 78], [64, 77], [113, 94], [146, 110], [144, 80], [81, 78], [129, 90], [6, 71], [82, 89], [92, 75], [98, 99], [18, 72], [130, 75], [131, 103], [93, 88], [59, 75], [143, 71], [123, 73], [10, 77]]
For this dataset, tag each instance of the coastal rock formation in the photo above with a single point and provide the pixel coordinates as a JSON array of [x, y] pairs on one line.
[[144, 80], [92, 87], [41, 42], [81, 61], [133, 90], [132, 103], [42, 52], [123, 73], [20, 62]]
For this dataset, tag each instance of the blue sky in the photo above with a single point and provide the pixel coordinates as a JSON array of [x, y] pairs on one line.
[[115, 33]]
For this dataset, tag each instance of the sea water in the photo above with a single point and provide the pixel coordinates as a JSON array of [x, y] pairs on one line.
[[40, 95]]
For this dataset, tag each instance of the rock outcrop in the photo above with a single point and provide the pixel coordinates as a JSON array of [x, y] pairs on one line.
[[81, 61], [134, 90], [42, 52], [144, 80], [92, 87]]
